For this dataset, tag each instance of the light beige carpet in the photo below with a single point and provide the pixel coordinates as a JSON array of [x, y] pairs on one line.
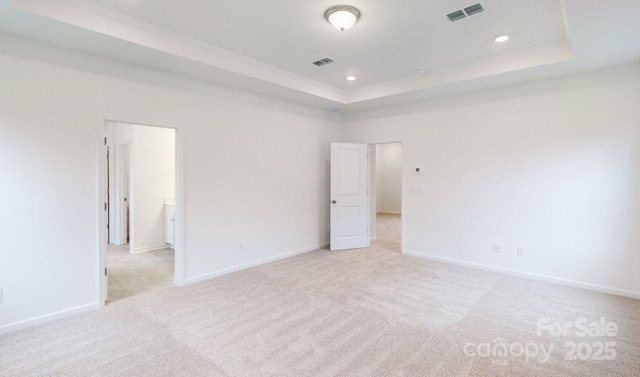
[[133, 274], [370, 312], [388, 232]]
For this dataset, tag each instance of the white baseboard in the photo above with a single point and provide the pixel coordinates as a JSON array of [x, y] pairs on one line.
[[390, 212], [214, 274], [529, 275], [144, 249], [48, 318]]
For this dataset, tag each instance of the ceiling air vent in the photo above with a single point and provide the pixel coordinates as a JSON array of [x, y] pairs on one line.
[[456, 16], [474, 9], [469, 11], [324, 61]]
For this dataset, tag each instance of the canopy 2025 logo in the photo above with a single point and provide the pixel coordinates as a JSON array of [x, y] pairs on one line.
[[597, 344]]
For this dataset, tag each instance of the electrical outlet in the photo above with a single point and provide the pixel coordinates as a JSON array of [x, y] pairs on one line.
[[497, 248], [241, 246], [521, 252]]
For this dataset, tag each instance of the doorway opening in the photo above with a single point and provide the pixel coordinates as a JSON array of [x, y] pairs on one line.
[[140, 209], [386, 196]]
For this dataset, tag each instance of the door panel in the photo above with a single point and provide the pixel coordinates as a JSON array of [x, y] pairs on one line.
[[349, 196], [349, 179], [349, 218]]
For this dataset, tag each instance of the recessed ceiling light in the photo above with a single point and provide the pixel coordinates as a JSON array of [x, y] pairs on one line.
[[342, 17], [351, 78], [502, 39]]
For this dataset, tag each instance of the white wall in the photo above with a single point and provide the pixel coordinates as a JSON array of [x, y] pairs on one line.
[[153, 180], [553, 167], [255, 170], [389, 178], [152, 166]]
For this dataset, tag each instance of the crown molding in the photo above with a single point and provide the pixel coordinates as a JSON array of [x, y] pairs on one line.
[[104, 21], [496, 65]]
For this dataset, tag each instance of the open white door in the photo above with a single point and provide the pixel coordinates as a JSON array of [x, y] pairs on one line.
[[349, 196]]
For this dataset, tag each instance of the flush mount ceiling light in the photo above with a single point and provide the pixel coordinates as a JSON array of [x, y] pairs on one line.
[[502, 39], [342, 17], [351, 78]]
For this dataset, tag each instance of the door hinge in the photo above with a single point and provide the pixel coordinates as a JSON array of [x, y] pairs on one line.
[[105, 206], [105, 140], [105, 271]]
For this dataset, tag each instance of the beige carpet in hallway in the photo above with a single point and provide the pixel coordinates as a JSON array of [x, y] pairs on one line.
[[369, 312], [133, 274], [388, 232]]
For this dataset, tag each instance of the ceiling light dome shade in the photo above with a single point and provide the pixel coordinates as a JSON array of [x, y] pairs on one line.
[[342, 17]]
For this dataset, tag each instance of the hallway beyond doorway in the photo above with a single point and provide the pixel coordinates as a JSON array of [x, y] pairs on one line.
[[389, 232], [133, 274]]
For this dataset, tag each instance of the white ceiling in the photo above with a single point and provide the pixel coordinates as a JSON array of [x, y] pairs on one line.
[[268, 46], [391, 41]]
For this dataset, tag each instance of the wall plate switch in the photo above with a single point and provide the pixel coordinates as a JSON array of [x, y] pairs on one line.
[[521, 252], [497, 248], [418, 190], [241, 248]]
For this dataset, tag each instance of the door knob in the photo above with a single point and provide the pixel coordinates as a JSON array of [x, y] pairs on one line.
[[334, 202]]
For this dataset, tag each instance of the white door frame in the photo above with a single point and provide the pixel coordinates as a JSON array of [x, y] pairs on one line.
[[110, 193], [102, 193], [403, 175], [122, 189]]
